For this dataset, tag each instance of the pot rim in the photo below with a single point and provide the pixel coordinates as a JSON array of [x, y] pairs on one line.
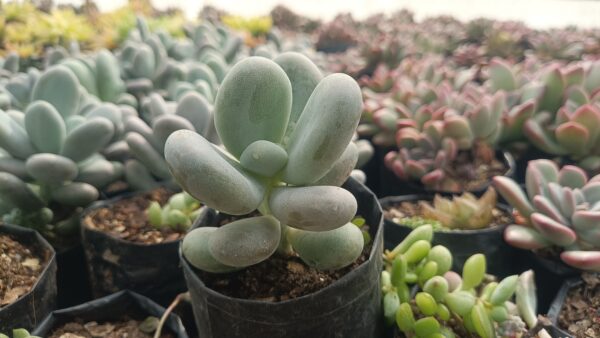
[[386, 201]]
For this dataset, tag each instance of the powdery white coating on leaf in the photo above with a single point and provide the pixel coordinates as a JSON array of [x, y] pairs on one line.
[[253, 103], [209, 176], [51, 168], [195, 250], [246, 241], [45, 127], [264, 158], [328, 250], [324, 129], [342, 168], [316, 208], [59, 87], [87, 138]]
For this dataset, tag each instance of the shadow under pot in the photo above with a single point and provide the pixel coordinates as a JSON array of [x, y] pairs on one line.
[[350, 306], [462, 243], [391, 185], [27, 278], [124, 311], [124, 251], [575, 311]]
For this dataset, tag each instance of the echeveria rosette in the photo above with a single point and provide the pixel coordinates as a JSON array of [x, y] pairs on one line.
[[287, 136], [559, 208], [473, 301], [52, 152], [431, 140]]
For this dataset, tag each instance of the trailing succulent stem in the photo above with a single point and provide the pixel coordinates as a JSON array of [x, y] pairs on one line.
[[451, 305], [287, 135]]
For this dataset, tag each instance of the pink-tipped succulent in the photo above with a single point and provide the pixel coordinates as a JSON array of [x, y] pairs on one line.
[[559, 207], [430, 142], [572, 130]]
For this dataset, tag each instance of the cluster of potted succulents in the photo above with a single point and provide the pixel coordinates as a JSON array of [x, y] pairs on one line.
[[213, 177]]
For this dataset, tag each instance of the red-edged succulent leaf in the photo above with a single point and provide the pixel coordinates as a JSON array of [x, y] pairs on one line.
[[389, 158], [591, 191], [572, 176], [479, 120], [433, 177], [407, 137], [513, 194], [590, 163], [450, 148], [457, 127], [415, 169], [524, 237], [584, 260], [577, 96], [385, 119], [573, 75], [553, 231], [569, 202], [592, 78], [405, 123], [501, 76], [514, 121], [588, 116], [541, 139], [398, 169], [555, 84], [573, 137], [585, 220], [545, 206], [440, 159]]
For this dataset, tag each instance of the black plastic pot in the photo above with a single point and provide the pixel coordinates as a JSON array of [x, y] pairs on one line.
[[462, 243], [33, 306], [559, 301], [391, 185], [350, 307], [113, 307], [71, 278], [115, 264]]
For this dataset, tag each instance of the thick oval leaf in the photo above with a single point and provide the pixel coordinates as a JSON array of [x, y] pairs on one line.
[[316, 208], [304, 76], [195, 249], [51, 169], [584, 260], [524, 237], [138, 176], [460, 302], [194, 107], [13, 166], [143, 151], [100, 172], [166, 124], [108, 77], [473, 271], [264, 158], [342, 168], [59, 87], [328, 250], [324, 129], [557, 233], [87, 138], [13, 138], [253, 103], [143, 62], [113, 114], [45, 127], [505, 290], [17, 193], [442, 256], [75, 194], [208, 175], [246, 241]]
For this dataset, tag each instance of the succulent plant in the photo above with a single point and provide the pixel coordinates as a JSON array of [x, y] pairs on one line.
[[19, 333], [337, 35], [179, 212], [287, 136], [558, 209], [448, 304], [56, 150], [146, 141], [464, 212]]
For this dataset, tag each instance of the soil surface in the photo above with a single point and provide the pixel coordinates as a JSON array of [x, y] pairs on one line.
[[127, 219], [20, 268], [125, 328], [473, 172], [278, 278], [580, 314], [401, 210]]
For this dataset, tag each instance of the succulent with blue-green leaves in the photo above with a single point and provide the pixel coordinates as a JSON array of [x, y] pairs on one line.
[[52, 154], [287, 135], [448, 304], [178, 213], [146, 140]]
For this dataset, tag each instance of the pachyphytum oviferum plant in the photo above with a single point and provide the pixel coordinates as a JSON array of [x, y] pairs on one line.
[[287, 135], [450, 305], [52, 152], [559, 208]]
